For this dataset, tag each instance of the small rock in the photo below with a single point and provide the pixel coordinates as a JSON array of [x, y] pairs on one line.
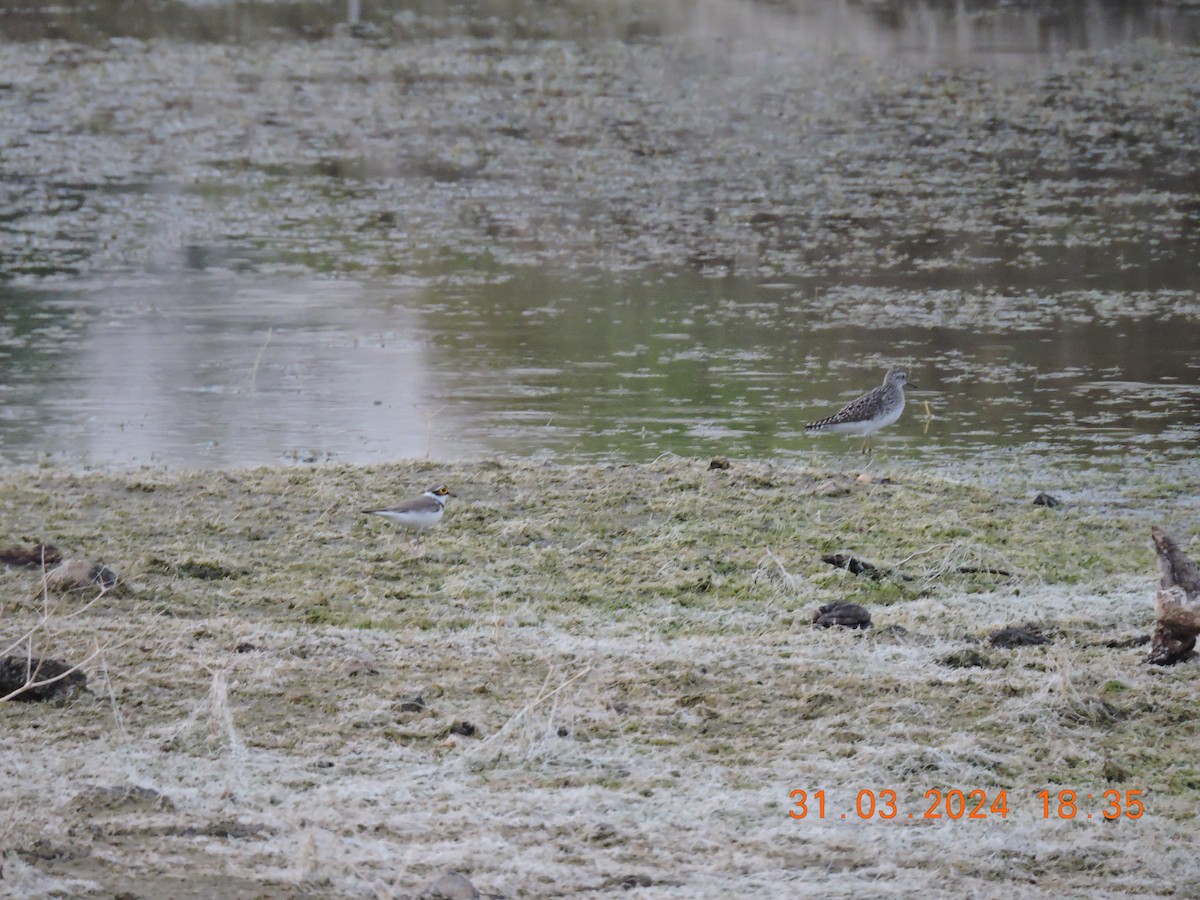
[[1017, 636], [18, 671], [451, 886], [847, 615], [718, 462], [413, 704], [464, 728], [244, 647], [1044, 499]]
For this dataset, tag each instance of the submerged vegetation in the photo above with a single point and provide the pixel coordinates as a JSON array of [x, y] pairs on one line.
[[588, 674]]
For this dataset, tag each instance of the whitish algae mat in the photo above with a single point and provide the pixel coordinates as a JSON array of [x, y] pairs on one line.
[[631, 648]]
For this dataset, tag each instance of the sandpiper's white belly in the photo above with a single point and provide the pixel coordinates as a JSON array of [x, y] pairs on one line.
[[863, 427]]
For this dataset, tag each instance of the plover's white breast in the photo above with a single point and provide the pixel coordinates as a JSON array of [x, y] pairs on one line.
[[419, 519]]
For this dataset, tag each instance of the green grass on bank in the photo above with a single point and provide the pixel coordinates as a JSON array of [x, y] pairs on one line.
[[291, 544]]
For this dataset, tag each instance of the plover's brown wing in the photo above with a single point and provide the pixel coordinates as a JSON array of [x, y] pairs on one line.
[[865, 407], [1177, 568]]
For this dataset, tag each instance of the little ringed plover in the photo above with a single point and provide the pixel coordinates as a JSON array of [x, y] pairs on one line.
[[418, 513]]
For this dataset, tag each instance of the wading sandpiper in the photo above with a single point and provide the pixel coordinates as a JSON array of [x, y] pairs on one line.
[[865, 415]]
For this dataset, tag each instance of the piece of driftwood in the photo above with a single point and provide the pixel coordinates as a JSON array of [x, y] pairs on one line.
[[1177, 604]]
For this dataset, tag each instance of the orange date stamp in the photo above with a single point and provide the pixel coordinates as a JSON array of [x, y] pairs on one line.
[[960, 804]]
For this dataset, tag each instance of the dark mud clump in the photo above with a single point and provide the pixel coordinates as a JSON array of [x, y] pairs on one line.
[[30, 556], [33, 680], [1017, 636], [846, 615]]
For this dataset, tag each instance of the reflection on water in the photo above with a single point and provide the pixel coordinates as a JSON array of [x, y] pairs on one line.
[[214, 371], [207, 372]]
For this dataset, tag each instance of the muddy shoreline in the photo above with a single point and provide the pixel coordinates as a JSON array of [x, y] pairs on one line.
[[590, 674]]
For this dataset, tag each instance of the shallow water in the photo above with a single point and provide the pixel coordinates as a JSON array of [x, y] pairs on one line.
[[223, 370], [599, 232]]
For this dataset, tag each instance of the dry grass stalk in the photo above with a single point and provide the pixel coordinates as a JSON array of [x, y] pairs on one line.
[[522, 718], [251, 382]]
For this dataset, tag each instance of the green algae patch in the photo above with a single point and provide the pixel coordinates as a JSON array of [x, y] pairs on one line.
[[610, 647]]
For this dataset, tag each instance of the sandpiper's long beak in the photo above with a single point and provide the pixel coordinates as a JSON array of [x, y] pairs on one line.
[[913, 385]]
